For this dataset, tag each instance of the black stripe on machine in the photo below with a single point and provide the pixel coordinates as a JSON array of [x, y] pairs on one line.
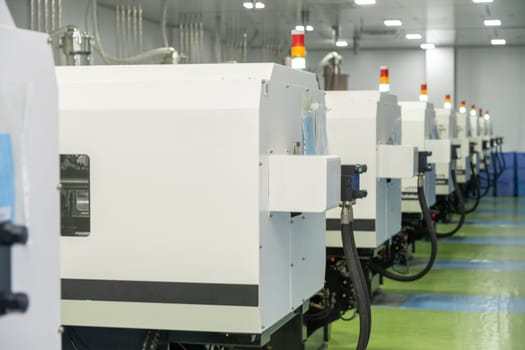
[[441, 181], [409, 196], [359, 225], [161, 292]]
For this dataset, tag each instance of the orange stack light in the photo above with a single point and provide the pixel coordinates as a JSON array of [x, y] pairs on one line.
[[448, 104], [384, 79], [473, 110], [298, 52], [463, 107], [423, 95]]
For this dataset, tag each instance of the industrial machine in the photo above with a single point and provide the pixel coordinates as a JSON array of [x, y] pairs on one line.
[[468, 178], [496, 149], [494, 163], [364, 127], [462, 139], [193, 200], [419, 129], [450, 206], [29, 198]]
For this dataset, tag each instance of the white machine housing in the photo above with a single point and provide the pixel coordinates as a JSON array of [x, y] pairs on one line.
[[418, 128], [188, 229], [29, 119], [364, 128], [477, 137], [485, 135], [447, 130], [462, 139]]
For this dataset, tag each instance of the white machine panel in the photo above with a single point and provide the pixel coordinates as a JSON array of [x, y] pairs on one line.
[[364, 128], [294, 183], [181, 233], [396, 161], [447, 130], [440, 150], [446, 123], [28, 186], [418, 125], [463, 140]]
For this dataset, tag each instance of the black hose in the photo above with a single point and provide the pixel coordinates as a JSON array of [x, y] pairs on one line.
[[462, 211], [503, 158], [486, 171], [475, 182], [359, 282], [433, 243]]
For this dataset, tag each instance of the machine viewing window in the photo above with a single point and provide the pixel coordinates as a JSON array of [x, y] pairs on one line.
[[74, 195]]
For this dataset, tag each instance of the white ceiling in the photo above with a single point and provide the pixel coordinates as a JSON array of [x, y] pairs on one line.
[[445, 22]]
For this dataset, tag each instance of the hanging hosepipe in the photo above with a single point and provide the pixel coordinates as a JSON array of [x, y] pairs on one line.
[[162, 52]]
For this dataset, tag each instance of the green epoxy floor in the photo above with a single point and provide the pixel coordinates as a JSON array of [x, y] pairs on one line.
[[396, 328]]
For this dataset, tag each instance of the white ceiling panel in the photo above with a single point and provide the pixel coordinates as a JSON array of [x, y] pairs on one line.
[[445, 22]]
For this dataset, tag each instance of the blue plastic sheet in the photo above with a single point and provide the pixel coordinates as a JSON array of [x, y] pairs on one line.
[[7, 179]]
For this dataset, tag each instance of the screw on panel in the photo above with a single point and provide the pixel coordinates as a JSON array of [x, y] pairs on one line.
[[303, 258], [49, 40], [260, 163], [59, 186], [61, 329]]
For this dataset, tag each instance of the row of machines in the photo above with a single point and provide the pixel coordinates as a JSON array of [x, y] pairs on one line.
[[209, 206]]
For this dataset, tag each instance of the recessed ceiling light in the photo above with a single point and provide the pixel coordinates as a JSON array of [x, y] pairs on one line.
[[299, 27], [498, 42], [365, 2], [492, 22], [428, 46], [414, 36], [341, 43], [309, 28], [253, 4], [393, 23], [481, 1]]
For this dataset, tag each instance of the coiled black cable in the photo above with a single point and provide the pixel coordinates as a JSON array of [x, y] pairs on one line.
[[427, 217], [461, 206], [359, 282], [488, 178], [474, 182]]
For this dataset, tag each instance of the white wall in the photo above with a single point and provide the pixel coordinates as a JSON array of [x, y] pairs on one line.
[[493, 79], [440, 74], [407, 69]]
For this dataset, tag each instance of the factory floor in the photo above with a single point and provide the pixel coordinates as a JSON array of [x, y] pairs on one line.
[[474, 298]]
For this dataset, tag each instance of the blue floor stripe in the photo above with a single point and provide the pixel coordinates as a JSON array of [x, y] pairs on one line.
[[487, 240], [500, 211], [480, 265], [495, 223], [443, 302]]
